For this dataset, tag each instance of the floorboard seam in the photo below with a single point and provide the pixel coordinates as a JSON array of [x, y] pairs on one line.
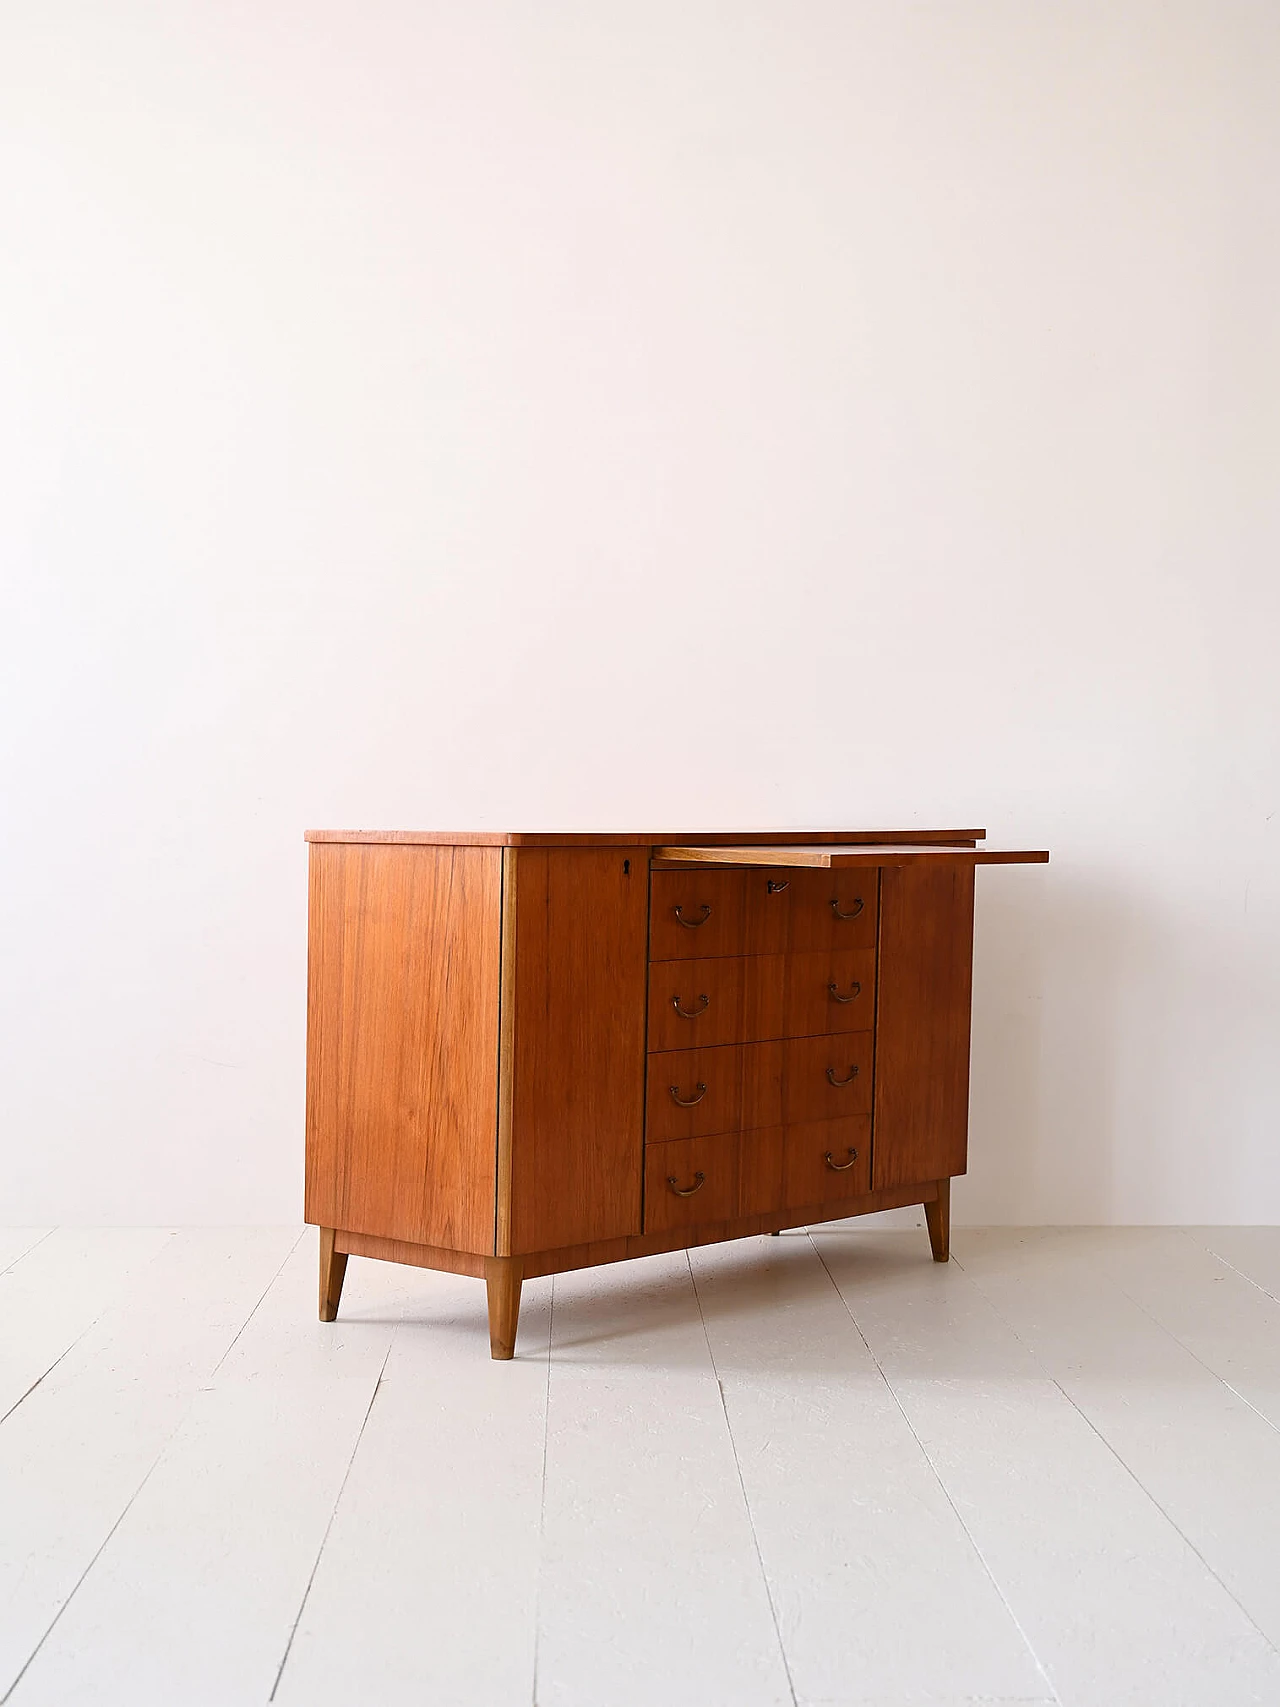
[[101, 1548], [79, 1582], [746, 1503], [324, 1539], [240, 1330], [542, 1504], [1128, 1469], [937, 1476], [34, 1245], [88, 1328], [1235, 1269]]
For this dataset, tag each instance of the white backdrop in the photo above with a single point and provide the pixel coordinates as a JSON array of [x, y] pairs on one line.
[[680, 414]]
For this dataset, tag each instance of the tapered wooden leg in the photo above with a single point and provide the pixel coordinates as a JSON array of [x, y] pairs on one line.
[[502, 1277], [938, 1219], [333, 1271]]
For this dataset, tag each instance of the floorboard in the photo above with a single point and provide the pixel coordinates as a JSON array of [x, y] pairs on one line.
[[814, 1471], [437, 1531], [861, 1547], [651, 1587], [76, 1451]]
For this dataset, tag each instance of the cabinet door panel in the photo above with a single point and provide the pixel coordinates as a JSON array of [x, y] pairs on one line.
[[402, 1042], [922, 1026], [576, 1053]]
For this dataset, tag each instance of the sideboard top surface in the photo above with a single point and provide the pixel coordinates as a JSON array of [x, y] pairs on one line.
[[644, 838]]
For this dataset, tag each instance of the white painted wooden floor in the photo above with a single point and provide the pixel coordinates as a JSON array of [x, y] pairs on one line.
[[815, 1469]]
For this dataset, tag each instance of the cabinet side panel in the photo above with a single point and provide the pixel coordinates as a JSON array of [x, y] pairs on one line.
[[402, 1042], [922, 1025], [577, 1120]]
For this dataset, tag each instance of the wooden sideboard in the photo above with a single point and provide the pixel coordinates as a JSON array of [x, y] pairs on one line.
[[533, 1053]]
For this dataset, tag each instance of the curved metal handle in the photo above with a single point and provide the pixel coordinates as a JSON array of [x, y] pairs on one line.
[[699, 1180], [855, 991], [832, 1080], [841, 1167], [692, 924], [772, 888], [692, 1013], [851, 914], [688, 1102]]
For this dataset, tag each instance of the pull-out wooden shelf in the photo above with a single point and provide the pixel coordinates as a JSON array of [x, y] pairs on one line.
[[488, 1012], [843, 858]]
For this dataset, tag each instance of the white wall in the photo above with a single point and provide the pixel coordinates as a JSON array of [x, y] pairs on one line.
[[679, 414]]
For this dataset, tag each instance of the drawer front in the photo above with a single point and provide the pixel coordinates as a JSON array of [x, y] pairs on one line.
[[689, 1182], [692, 1092], [826, 1078], [825, 1161], [741, 1175], [830, 991], [833, 910], [697, 914], [696, 1003]]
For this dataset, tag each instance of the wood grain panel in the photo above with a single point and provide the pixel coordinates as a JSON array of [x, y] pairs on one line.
[[578, 1057], [827, 1161], [402, 1042], [420, 1256], [827, 1078], [922, 1032], [738, 1086]]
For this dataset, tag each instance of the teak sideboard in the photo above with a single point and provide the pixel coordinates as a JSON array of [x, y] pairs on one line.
[[533, 1053]]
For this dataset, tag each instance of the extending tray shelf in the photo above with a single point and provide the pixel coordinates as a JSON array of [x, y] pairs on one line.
[[847, 857]]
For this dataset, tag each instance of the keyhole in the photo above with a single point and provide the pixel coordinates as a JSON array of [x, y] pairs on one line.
[[626, 868]]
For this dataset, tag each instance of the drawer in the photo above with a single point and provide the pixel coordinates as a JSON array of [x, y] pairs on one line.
[[741, 1175], [747, 999], [728, 1089], [826, 1078], [832, 910], [697, 914], [826, 1161], [689, 1181]]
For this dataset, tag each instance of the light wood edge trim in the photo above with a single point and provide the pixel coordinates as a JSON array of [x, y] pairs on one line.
[[418, 1256], [853, 856], [506, 1057]]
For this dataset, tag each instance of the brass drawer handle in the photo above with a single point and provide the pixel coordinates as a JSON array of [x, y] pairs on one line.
[[832, 1080], [772, 888], [692, 1013], [699, 1180], [840, 1167], [855, 990], [692, 924], [851, 914], [688, 1102]]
